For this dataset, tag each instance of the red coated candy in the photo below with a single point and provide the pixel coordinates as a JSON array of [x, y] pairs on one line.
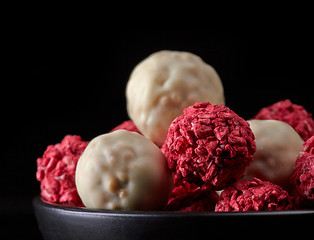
[[302, 180], [127, 125], [295, 115], [188, 197], [254, 195], [209, 144], [56, 171], [308, 145]]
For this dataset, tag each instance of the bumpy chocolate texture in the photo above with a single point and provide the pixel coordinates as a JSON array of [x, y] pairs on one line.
[[165, 83], [277, 148], [123, 170]]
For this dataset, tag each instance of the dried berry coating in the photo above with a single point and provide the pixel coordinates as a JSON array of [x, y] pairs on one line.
[[56, 171], [308, 145], [255, 195], [302, 180], [295, 115], [188, 197], [126, 125], [209, 144]]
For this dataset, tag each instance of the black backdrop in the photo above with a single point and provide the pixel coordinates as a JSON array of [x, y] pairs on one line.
[[62, 83]]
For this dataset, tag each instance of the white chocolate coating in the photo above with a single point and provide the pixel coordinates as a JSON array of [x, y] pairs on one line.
[[277, 148], [123, 170], [165, 83]]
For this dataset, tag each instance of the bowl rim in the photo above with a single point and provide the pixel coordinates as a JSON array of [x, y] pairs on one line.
[[37, 201]]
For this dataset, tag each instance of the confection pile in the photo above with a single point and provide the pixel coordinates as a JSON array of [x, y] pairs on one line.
[[184, 150]]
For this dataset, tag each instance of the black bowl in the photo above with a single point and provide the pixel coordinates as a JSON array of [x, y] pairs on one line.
[[60, 222]]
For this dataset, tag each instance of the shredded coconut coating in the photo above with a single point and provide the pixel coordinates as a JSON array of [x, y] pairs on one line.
[[302, 180], [255, 195], [188, 197], [56, 171], [295, 115], [126, 125], [308, 145], [209, 144]]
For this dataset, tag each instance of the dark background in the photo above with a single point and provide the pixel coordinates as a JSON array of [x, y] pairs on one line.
[[60, 82]]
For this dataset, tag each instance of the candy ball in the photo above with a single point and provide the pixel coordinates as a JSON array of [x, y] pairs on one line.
[[209, 144], [302, 178], [277, 148], [295, 115], [123, 170], [56, 171], [254, 195], [165, 83]]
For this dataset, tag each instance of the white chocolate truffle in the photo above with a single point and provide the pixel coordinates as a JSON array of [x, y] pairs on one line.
[[165, 83], [277, 148], [123, 170]]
